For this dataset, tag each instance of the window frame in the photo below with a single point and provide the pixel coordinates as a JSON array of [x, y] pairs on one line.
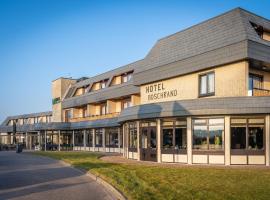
[[108, 135], [246, 150], [127, 76], [209, 150], [104, 105], [252, 75], [207, 84], [132, 127], [128, 101], [99, 137], [174, 126]]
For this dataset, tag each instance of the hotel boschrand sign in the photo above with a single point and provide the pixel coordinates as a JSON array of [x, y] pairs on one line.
[[174, 89], [158, 92]]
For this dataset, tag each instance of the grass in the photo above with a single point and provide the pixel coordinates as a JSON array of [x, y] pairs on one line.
[[187, 182]]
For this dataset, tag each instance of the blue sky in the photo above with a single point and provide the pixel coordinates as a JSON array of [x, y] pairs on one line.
[[41, 40]]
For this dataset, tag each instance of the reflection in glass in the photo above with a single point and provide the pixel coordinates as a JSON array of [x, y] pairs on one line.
[[144, 138], [200, 137], [167, 137], [215, 137], [180, 138], [255, 137], [153, 140], [99, 133]]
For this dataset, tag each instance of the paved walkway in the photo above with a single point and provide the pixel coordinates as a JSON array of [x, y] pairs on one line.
[[24, 176]]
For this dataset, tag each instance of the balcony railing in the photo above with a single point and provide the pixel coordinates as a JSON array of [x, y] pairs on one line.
[[260, 92], [94, 117]]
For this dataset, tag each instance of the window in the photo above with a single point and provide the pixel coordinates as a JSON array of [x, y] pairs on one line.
[[261, 31], [255, 81], [41, 120], [132, 130], [78, 138], [84, 111], [10, 123], [238, 137], [174, 134], [126, 103], [126, 77], [68, 115], [167, 137], [79, 91], [99, 133], [49, 119], [112, 137], [103, 109], [207, 84], [255, 137], [266, 35], [208, 134], [89, 137], [102, 85], [247, 134]]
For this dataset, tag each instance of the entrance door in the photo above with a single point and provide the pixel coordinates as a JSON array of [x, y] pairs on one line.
[[149, 144]]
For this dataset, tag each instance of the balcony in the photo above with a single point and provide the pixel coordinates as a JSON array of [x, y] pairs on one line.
[[260, 92], [94, 117]]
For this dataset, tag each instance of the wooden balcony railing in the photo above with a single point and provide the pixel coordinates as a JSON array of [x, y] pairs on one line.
[[260, 92], [94, 117]]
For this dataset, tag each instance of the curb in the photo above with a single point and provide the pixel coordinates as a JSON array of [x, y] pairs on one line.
[[118, 194]]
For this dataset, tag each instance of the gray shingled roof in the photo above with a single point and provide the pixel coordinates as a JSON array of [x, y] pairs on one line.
[[112, 92], [220, 40], [39, 114], [223, 39], [107, 75]]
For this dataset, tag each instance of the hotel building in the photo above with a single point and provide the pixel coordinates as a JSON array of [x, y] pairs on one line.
[[200, 96]]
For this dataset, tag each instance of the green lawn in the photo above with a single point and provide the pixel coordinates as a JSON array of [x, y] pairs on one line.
[[188, 182]]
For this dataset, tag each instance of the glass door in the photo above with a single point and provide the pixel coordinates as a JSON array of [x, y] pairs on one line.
[[148, 144]]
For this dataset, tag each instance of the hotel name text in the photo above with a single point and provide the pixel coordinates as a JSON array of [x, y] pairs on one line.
[[158, 91]]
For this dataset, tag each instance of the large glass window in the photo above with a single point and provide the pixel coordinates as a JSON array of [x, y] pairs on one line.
[[255, 137], [132, 129], [89, 137], [238, 137], [167, 137], [112, 137], [99, 133], [207, 84], [208, 134], [174, 134], [78, 138], [247, 133]]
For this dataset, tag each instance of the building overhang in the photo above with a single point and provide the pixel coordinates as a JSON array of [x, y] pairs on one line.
[[198, 107], [54, 126]]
